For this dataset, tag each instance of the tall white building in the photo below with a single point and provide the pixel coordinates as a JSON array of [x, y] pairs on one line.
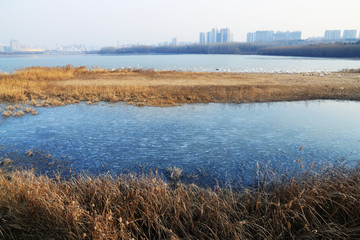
[[295, 36], [282, 36], [208, 36], [202, 38], [349, 34], [225, 35], [269, 36], [250, 37], [261, 36], [217, 36], [213, 35], [332, 35], [264, 36]]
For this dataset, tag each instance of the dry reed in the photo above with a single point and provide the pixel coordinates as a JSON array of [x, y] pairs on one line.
[[64, 85], [7, 114], [18, 113], [323, 206]]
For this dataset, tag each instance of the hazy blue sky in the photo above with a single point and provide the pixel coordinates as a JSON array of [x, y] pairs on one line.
[[104, 22]]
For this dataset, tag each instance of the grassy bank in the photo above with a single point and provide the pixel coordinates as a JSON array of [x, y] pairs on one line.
[[43, 86], [322, 206]]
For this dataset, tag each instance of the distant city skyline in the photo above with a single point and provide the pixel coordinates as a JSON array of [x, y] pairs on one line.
[[109, 23], [214, 36], [329, 35]]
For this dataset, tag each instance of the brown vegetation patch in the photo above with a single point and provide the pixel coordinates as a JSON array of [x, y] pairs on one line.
[[314, 206], [18, 113], [65, 85]]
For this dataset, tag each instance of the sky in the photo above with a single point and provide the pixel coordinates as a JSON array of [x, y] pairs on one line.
[[107, 22]]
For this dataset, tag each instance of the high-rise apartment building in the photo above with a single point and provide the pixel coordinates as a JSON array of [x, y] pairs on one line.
[[261, 36], [208, 35], [349, 34], [295, 36], [216, 36], [213, 35], [264, 36], [14, 45], [269, 36], [225, 35], [219, 37], [202, 38], [332, 35], [282, 36], [250, 37]]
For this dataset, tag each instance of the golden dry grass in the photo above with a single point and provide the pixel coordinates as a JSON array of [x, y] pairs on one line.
[[324, 206], [63, 85]]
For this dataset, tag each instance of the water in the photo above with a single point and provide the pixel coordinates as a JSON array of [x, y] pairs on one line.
[[222, 140], [195, 62]]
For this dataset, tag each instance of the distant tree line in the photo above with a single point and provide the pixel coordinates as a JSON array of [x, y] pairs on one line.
[[315, 50], [299, 48], [219, 48]]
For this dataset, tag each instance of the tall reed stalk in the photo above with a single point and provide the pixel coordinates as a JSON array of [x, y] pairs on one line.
[[310, 206]]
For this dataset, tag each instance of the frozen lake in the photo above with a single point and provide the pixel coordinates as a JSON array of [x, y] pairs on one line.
[[223, 140]]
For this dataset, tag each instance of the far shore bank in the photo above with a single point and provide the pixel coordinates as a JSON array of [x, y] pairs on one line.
[[65, 85], [347, 49]]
